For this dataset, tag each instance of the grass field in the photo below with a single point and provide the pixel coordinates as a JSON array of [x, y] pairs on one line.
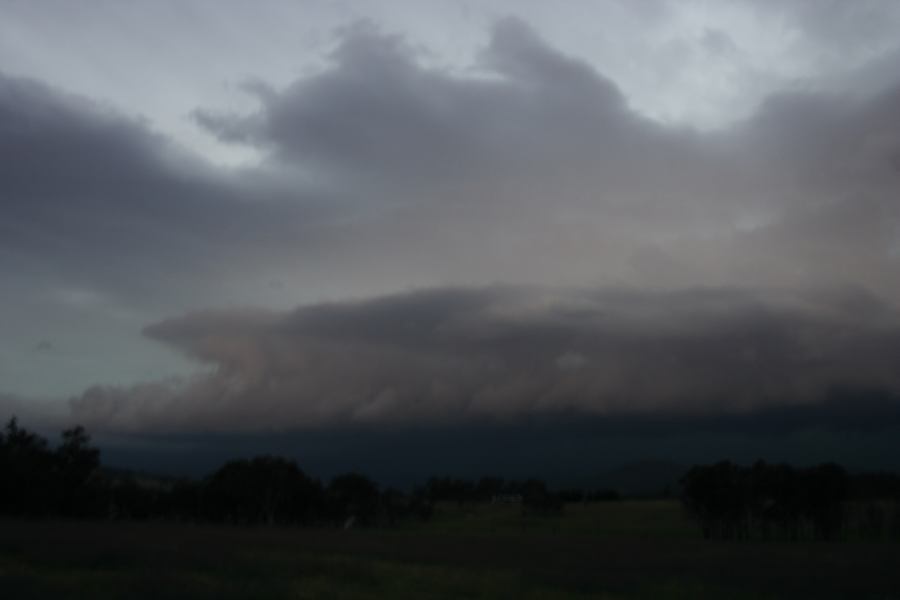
[[612, 550]]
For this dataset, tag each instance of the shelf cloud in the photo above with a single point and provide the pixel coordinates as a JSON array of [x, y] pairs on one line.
[[501, 353]]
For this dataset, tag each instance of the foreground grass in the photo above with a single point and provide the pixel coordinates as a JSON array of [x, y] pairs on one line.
[[627, 550], [643, 519], [309, 576]]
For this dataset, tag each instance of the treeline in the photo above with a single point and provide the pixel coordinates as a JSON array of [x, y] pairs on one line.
[[728, 501], [39, 481], [532, 493], [777, 501]]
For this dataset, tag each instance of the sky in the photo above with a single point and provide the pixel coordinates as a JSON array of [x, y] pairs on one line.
[[225, 218]]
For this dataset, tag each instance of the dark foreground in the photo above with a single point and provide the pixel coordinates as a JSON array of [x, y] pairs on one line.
[[617, 550]]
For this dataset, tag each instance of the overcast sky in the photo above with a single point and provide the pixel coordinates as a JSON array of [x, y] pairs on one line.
[[245, 216]]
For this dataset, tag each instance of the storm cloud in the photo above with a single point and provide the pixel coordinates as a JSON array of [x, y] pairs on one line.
[[509, 237], [501, 353], [532, 168], [381, 172], [98, 198]]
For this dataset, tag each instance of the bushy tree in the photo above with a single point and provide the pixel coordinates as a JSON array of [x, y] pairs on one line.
[[353, 496], [732, 502], [265, 489]]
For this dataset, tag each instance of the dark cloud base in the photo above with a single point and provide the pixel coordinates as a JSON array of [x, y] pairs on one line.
[[729, 358], [563, 449]]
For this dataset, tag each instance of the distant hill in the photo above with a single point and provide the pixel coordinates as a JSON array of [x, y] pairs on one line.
[[141, 478]]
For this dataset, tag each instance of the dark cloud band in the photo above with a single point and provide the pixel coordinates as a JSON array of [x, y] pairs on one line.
[[455, 355]]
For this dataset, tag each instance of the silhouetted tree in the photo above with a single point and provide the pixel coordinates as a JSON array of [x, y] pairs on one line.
[[488, 487], [730, 502], [537, 499], [27, 472], [825, 488], [265, 489], [447, 489], [353, 496], [77, 463]]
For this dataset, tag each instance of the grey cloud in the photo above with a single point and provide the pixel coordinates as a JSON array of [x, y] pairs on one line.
[[534, 167], [40, 413], [390, 173], [96, 199], [456, 355], [864, 26], [382, 173], [718, 43], [44, 347], [379, 115], [105, 225]]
